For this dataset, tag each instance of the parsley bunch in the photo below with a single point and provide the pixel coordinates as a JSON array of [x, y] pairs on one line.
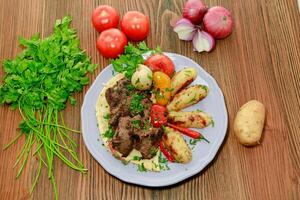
[[39, 82]]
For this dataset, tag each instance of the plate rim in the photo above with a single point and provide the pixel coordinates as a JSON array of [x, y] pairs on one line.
[[160, 183]]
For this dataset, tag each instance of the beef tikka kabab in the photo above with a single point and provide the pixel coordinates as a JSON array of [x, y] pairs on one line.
[[140, 115]]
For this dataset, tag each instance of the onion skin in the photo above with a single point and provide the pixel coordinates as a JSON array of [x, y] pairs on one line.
[[218, 22], [194, 10], [203, 41], [185, 29]]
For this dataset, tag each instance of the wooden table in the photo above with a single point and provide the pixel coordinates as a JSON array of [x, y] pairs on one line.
[[260, 60]]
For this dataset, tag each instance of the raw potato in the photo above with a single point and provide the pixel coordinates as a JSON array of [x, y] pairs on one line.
[[194, 119], [142, 78], [188, 97], [182, 79], [249, 123], [177, 146]]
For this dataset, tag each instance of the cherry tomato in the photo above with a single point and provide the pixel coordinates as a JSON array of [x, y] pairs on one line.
[[111, 43], [105, 17], [135, 25], [158, 115], [160, 62], [162, 83]]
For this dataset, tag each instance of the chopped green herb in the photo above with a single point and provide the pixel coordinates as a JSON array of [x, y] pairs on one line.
[[149, 77], [125, 162], [147, 125], [137, 81], [136, 123], [164, 128], [153, 151], [137, 158], [130, 87], [109, 133], [163, 162], [136, 106], [169, 89], [141, 168], [193, 100], [195, 141], [107, 116], [204, 87], [212, 123]]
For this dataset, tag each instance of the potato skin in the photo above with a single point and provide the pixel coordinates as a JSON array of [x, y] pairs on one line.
[[142, 78], [177, 146], [194, 119], [188, 97], [182, 79], [249, 123]]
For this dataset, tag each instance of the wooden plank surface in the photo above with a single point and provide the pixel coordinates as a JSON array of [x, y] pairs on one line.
[[260, 60]]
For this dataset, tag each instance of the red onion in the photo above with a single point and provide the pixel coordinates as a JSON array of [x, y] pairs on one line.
[[218, 22], [185, 29], [203, 41], [194, 10]]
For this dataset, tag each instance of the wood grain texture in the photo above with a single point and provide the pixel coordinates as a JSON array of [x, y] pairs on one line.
[[260, 60]]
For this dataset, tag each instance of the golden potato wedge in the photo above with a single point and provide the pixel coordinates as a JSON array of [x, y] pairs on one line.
[[249, 123], [188, 97], [194, 119], [182, 79], [177, 146]]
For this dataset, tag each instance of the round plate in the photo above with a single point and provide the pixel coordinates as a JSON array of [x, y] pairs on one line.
[[203, 153]]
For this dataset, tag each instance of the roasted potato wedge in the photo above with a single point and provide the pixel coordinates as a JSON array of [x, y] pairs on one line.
[[177, 146], [182, 79], [188, 97], [194, 119]]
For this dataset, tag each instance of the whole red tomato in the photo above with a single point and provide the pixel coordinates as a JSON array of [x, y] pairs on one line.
[[105, 17], [111, 43], [160, 62], [135, 25]]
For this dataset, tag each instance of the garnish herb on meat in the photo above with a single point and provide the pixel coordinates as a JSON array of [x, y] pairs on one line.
[[136, 107]]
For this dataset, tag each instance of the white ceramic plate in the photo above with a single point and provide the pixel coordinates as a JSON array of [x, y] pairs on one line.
[[203, 153]]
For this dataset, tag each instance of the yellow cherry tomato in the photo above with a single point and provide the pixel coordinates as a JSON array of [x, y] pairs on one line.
[[162, 83], [161, 80]]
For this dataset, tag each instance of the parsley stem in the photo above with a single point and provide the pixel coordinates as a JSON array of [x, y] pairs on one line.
[[38, 173], [12, 141]]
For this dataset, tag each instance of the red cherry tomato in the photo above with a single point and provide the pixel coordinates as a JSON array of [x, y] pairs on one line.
[[135, 25], [111, 43], [160, 62], [158, 115], [105, 17]]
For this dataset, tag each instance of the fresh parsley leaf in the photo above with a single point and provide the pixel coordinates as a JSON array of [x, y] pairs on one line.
[[136, 106], [141, 168], [107, 116], [128, 62], [212, 123], [137, 158], [109, 133], [130, 87], [136, 123]]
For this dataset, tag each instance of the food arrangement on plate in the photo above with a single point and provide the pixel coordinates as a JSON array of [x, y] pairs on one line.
[[139, 110], [142, 112]]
